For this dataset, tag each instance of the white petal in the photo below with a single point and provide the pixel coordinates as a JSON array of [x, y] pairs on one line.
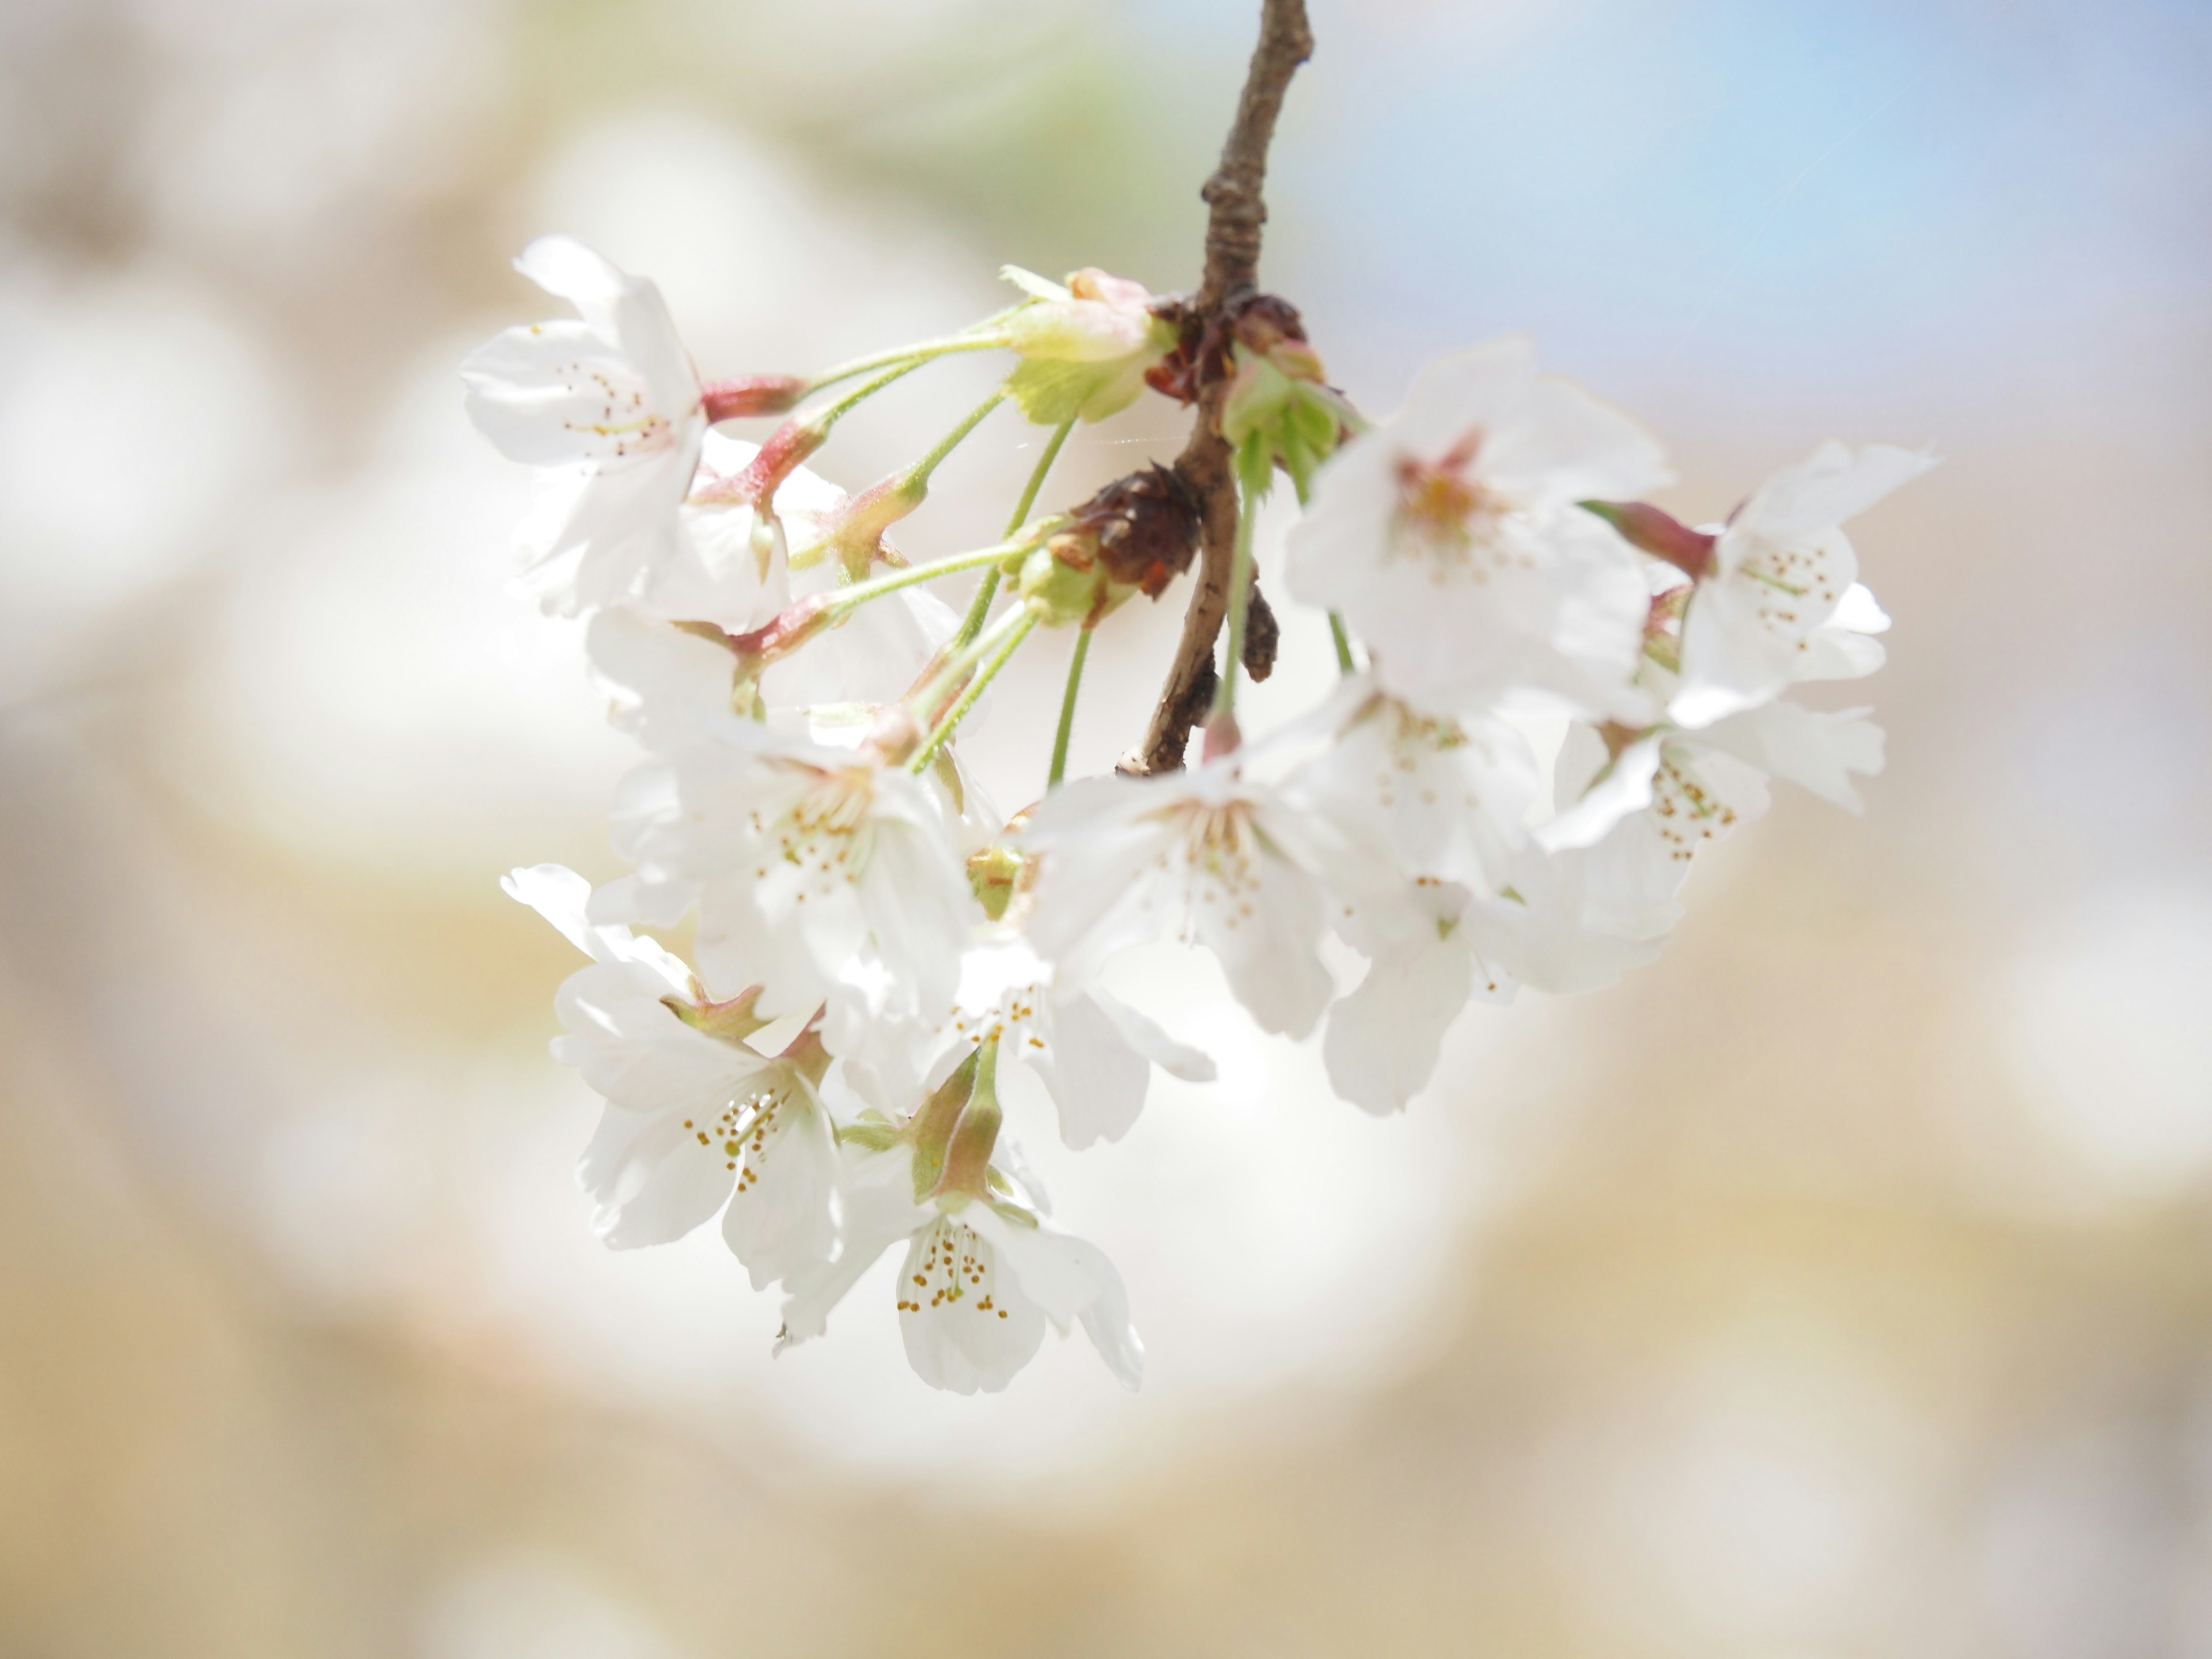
[[1834, 484], [1474, 391], [965, 1322], [1262, 917], [1813, 748], [1383, 1039], [1565, 446], [1097, 1080], [1621, 788], [1069, 1278], [652, 1180], [1176, 1059], [568, 270], [779, 1221], [878, 1212]]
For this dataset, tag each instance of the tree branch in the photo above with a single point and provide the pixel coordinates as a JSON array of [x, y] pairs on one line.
[[1238, 209]]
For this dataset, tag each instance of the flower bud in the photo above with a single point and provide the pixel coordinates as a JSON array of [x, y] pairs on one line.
[[1658, 533], [994, 874], [751, 394], [1279, 411]]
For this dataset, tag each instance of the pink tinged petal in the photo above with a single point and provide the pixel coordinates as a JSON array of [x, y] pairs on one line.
[[652, 1181], [1070, 1279], [1383, 1039], [965, 1322], [1816, 749], [779, 1221]]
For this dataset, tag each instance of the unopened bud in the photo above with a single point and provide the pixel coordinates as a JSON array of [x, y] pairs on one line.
[[995, 873], [750, 394], [1658, 533]]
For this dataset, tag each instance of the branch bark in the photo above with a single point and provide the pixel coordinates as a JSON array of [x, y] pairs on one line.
[[1237, 210]]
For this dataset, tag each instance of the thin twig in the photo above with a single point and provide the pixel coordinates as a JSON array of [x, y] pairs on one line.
[[1238, 209]]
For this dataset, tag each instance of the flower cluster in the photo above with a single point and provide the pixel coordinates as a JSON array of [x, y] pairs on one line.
[[1552, 695]]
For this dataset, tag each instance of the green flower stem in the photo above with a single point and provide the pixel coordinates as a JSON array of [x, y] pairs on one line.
[[912, 357], [914, 481], [987, 591], [859, 394], [943, 679], [1067, 710], [1345, 664], [1240, 593], [839, 600], [1017, 628]]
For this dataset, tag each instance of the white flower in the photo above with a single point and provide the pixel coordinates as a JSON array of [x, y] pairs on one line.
[[1385, 1038], [980, 1278], [1093, 1053], [1451, 541], [1565, 922], [1210, 853], [610, 409], [696, 1119], [1680, 789], [1449, 798], [1779, 571], [803, 860]]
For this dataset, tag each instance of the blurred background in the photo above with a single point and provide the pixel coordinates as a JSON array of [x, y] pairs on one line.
[[1840, 1286]]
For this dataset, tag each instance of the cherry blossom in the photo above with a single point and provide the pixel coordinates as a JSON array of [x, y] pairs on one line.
[[1779, 571], [1093, 1053], [802, 860], [696, 1119], [1552, 694], [608, 407], [1449, 798], [1211, 855], [1450, 539], [982, 1274]]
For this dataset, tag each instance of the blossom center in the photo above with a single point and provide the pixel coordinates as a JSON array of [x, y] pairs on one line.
[[954, 1267], [740, 1134], [1446, 513], [818, 834]]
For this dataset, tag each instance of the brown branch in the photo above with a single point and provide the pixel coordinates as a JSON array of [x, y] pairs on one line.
[[1232, 267]]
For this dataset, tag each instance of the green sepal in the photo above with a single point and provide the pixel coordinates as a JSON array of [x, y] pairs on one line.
[[1053, 392]]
